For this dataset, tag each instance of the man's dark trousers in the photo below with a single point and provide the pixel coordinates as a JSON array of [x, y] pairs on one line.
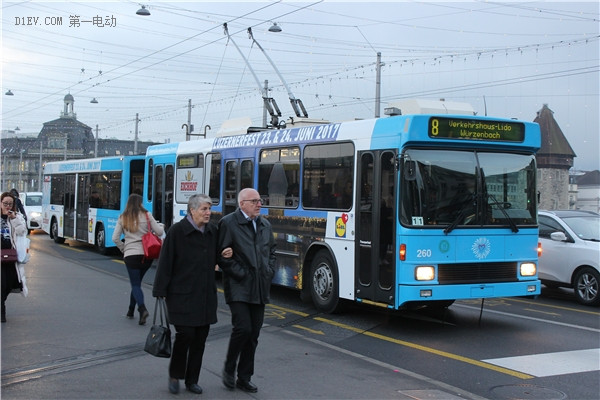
[[247, 319]]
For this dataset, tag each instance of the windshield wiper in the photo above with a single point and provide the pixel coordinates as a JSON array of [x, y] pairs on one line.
[[461, 215], [513, 226]]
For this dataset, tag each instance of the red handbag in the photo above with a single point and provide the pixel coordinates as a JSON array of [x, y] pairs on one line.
[[151, 243]]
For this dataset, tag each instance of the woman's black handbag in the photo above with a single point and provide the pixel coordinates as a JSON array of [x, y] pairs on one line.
[[158, 342]]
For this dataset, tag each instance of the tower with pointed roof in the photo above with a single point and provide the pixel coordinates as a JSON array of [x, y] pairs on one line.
[[554, 160]]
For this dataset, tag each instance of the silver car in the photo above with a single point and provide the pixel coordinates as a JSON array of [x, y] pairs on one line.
[[571, 252]]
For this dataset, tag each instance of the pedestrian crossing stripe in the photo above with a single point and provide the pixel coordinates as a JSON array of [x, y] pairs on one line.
[[551, 364]]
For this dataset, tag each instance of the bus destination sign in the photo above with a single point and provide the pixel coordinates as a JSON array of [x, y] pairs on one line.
[[459, 128]]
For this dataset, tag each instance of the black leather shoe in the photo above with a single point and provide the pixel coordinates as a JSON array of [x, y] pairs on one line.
[[246, 386], [173, 385], [194, 388], [143, 316], [228, 380]]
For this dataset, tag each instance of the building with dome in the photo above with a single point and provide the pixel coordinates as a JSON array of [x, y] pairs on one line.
[[64, 138]]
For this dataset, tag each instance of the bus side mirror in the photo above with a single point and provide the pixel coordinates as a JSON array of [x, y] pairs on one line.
[[410, 170]]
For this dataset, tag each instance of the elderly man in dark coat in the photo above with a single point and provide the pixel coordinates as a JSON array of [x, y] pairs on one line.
[[246, 282], [185, 276]]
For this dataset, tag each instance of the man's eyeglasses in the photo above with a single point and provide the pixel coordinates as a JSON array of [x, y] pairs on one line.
[[7, 204], [255, 201]]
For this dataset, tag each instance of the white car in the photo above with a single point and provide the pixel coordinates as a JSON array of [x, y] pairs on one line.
[[571, 252], [32, 202]]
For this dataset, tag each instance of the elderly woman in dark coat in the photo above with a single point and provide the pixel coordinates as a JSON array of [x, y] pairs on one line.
[[185, 277]]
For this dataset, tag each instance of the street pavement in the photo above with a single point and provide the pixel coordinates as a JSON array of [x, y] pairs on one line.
[[70, 339]]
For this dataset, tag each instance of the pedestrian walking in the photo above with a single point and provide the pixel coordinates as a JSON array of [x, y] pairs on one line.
[[19, 204], [185, 277], [12, 225], [246, 282], [133, 224]]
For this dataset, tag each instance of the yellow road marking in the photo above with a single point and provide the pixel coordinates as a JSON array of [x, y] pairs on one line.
[[75, 249], [316, 332], [407, 344], [429, 350], [302, 314], [553, 306], [541, 312], [277, 314]]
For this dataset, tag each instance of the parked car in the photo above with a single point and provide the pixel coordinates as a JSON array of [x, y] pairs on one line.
[[571, 252], [32, 201]]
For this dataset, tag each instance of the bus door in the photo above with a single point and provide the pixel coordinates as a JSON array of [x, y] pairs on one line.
[[238, 175], [69, 206], [161, 181], [83, 206], [375, 268]]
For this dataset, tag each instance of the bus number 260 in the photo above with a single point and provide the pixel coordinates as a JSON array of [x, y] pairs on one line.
[[423, 253]]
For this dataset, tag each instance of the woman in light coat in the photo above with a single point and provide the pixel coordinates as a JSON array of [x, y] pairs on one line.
[[13, 225], [133, 223]]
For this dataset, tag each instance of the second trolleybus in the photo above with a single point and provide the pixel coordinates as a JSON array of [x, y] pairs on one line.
[[82, 199]]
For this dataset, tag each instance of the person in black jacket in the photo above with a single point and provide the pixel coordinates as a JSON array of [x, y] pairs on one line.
[[185, 277], [19, 204], [246, 282]]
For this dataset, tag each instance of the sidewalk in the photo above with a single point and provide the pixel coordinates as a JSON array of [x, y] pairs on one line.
[[70, 340]]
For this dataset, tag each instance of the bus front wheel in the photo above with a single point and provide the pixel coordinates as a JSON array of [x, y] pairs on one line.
[[54, 231], [324, 285], [100, 240]]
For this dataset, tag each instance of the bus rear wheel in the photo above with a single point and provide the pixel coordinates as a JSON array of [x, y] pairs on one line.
[[324, 283], [100, 240], [54, 232]]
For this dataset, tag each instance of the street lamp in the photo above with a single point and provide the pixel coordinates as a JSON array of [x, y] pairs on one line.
[[275, 28], [143, 11]]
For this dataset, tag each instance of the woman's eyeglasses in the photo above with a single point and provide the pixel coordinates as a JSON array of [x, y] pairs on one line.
[[7, 204]]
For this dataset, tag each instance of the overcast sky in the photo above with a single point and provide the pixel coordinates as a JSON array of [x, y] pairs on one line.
[[506, 59]]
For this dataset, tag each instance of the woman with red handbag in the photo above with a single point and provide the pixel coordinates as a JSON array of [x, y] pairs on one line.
[[13, 225], [134, 223]]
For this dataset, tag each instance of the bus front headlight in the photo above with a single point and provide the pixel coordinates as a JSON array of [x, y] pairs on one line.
[[528, 269], [424, 273]]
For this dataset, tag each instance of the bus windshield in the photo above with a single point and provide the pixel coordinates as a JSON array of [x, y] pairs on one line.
[[467, 188]]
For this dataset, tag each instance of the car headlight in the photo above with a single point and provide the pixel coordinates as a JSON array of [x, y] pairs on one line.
[[35, 214], [424, 273], [528, 269]]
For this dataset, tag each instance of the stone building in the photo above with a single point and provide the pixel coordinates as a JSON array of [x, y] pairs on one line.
[[65, 138], [588, 188], [554, 160]]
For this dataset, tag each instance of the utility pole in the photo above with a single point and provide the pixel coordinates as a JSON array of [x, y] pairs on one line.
[[20, 185], [378, 85], [135, 139], [96, 143], [40, 168], [189, 127]]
